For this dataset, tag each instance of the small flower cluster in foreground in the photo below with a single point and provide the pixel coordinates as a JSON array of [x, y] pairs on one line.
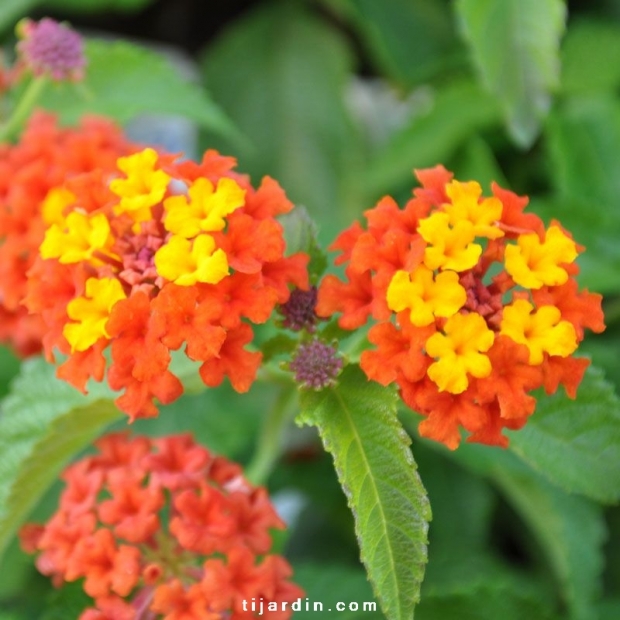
[[44, 157], [476, 305], [153, 256], [161, 528]]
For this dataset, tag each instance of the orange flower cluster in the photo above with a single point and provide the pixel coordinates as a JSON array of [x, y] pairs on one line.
[[161, 528], [155, 255], [476, 305], [44, 157]]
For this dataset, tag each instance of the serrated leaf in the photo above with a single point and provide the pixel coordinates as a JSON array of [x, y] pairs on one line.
[[570, 529], [576, 443], [515, 45], [358, 425], [124, 80], [457, 111], [44, 422]]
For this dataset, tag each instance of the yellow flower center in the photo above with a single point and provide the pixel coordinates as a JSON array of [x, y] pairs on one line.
[[426, 297], [185, 262], [459, 352], [533, 264], [450, 247], [91, 312], [206, 209], [540, 331]]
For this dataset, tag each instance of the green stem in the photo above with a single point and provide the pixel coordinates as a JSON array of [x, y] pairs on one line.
[[269, 442], [23, 109]]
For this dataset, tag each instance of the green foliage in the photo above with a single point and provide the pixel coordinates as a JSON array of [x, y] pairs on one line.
[[13, 10], [44, 423], [124, 80], [576, 443], [357, 422], [288, 98], [515, 45], [569, 529], [91, 6], [458, 111]]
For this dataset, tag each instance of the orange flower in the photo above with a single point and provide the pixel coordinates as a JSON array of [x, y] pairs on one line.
[[45, 156], [155, 255], [475, 302], [214, 554]]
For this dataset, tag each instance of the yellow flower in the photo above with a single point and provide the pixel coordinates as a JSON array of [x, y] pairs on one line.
[[77, 238], [450, 247], [424, 296], [206, 209], [54, 204], [92, 312], [460, 352], [185, 262], [466, 205], [144, 186], [540, 331], [533, 264]]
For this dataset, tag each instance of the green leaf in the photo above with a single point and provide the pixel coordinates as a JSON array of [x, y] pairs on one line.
[[458, 110], [409, 41], [124, 80], [570, 529], [44, 423], [358, 425], [591, 44], [281, 74], [515, 45], [301, 235], [576, 443], [12, 10]]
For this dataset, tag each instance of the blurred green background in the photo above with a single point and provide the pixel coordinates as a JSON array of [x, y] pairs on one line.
[[339, 100]]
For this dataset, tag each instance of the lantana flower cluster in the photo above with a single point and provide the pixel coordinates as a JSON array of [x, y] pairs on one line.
[[44, 157], [161, 528], [475, 302], [158, 254]]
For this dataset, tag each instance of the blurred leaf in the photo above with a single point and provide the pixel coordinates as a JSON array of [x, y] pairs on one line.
[[281, 73], [44, 423], [9, 367], [409, 41], [91, 6], [458, 111], [301, 235], [609, 609], [476, 160], [358, 424], [570, 529], [576, 443], [591, 44], [124, 80], [66, 603], [12, 10], [582, 140], [318, 581], [515, 45]]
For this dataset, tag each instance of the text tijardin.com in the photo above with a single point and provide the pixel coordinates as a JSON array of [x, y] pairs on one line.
[[260, 606]]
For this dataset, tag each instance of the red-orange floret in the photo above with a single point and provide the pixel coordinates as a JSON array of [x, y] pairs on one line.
[[45, 156], [454, 262], [212, 554]]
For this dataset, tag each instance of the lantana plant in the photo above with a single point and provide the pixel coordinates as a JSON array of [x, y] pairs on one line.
[[137, 285]]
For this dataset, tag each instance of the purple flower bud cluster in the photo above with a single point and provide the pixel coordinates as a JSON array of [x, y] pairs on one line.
[[316, 364], [299, 312], [50, 48]]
